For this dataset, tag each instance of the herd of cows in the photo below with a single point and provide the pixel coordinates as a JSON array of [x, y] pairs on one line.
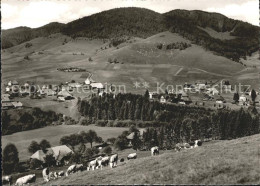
[[94, 164]]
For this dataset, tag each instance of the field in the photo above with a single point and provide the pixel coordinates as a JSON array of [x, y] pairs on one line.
[[53, 134], [212, 163]]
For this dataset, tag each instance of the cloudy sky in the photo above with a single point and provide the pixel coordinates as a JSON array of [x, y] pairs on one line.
[[36, 13]]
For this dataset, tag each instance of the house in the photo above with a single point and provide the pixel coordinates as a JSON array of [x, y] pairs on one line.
[[58, 152], [212, 91], [153, 95], [242, 98], [74, 85], [130, 137], [220, 100], [87, 81], [162, 99], [65, 94], [97, 86], [11, 83], [17, 104]]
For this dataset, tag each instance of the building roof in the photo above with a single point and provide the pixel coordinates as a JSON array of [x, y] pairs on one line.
[[64, 93], [58, 152], [97, 85], [17, 104]]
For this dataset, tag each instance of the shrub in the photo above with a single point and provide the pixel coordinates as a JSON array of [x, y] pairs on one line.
[[107, 150]]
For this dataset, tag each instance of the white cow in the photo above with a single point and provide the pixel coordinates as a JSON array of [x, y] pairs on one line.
[[7, 180], [26, 179], [197, 143], [102, 161], [79, 167], [132, 156], [61, 173], [113, 160], [45, 174], [70, 170], [93, 164], [154, 150]]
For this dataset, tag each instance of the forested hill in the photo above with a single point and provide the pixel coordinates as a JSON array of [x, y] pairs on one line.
[[16, 36], [140, 22]]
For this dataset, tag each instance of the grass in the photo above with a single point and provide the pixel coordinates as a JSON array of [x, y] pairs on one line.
[[222, 162], [53, 134]]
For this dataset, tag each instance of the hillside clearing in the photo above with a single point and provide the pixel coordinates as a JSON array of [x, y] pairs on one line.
[[213, 163], [53, 134]]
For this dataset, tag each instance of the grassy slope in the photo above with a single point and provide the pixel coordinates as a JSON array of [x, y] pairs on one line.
[[53, 134], [230, 162]]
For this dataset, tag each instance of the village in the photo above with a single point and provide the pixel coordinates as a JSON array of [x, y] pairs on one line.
[[200, 93]]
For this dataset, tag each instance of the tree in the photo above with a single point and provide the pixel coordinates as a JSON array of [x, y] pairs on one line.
[[136, 141], [111, 140], [133, 129], [90, 137], [33, 147], [75, 158], [10, 159], [107, 150], [146, 95], [44, 144], [253, 95], [90, 59], [49, 160], [121, 143], [236, 97]]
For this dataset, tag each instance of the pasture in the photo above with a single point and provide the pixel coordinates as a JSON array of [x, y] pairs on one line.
[[53, 134], [139, 61], [212, 163]]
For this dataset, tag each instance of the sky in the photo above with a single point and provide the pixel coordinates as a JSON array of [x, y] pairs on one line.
[[36, 13]]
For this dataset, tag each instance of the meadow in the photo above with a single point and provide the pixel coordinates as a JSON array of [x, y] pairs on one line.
[[212, 163], [53, 134]]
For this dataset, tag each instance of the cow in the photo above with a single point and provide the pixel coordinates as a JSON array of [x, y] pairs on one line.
[[92, 164], [178, 147], [186, 146], [45, 174], [55, 174], [7, 180], [154, 150], [198, 143], [70, 170], [113, 160], [132, 156], [79, 167], [52, 176], [103, 161], [61, 173], [26, 179]]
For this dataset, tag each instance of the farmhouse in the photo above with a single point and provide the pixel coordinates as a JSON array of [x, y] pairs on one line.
[[185, 98], [65, 94], [11, 83], [162, 99], [212, 91], [17, 104], [50, 92], [97, 86], [130, 137], [153, 95], [58, 152]]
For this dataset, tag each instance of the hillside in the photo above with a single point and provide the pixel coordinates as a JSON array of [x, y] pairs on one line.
[[16, 36], [212, 163], [143, 23]]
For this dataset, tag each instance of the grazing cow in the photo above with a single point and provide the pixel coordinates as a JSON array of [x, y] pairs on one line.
[[7, 180], [132, 156], [93, 164], [45, 174], [79, 167], [113, 160], [155, 150], [198, 143], [26, 179], [122, 160], [70, 170], [186, 146], [55, 174], [103, 161], [61, 173], [52, 176]]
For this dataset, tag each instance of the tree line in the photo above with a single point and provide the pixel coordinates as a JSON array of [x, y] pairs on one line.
[[188, 122]]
